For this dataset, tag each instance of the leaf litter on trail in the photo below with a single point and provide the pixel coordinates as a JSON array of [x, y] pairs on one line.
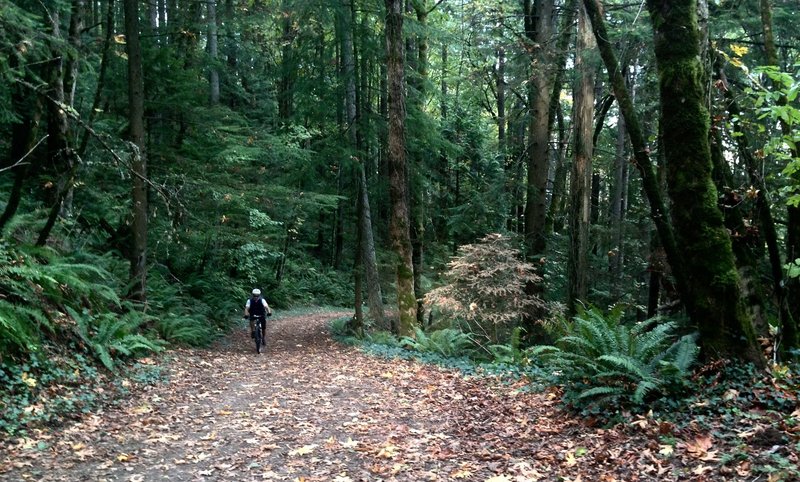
[[325, 411]]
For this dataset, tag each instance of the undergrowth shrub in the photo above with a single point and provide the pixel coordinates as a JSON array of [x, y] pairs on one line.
[[304, 285], [383, 338], [33, 280], [602, 362], [448, 342], [112, 335], [192, 314], [511, 353], [485, 291]]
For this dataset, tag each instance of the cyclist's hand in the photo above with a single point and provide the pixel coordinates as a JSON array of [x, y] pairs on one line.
[[269, 313]]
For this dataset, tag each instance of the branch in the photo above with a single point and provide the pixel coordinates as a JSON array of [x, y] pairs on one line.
[[73, 114], [19, 162]]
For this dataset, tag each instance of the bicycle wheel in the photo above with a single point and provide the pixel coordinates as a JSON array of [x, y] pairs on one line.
[[258, 340]]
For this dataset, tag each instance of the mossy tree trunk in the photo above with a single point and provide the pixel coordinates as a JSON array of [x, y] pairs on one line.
[[713, 287], [399, 231]]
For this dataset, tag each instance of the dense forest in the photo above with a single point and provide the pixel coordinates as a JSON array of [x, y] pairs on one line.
[[519, 173]]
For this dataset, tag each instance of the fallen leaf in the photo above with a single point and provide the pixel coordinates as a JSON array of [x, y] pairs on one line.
[[499, 478], [349, 444], [304, 450], [388, 452], [699, 446]]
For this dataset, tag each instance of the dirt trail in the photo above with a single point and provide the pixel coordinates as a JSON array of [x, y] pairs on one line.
[[312, 409]]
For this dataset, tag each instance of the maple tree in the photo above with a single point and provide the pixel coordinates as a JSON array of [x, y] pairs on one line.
[[485, 290]]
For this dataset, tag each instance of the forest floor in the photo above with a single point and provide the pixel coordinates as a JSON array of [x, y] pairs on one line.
[[311, 409]]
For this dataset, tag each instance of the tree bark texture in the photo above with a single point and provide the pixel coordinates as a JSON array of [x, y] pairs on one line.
[[136, 132], [28, 111], [641, 151], [765, 218], [288, 68], [368, 257], [399, 219], [715, 300], [580, 179], [616, 253], [538, 30], [108, 32]]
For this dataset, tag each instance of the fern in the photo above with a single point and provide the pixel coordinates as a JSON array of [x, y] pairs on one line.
[[596, 392], [109, 334], [184, 330], [383, 338], [448, 342], [626, 364], [510, 353], [15, 330]]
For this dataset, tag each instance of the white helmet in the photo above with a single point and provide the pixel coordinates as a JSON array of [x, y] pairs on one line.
[[256, 292]]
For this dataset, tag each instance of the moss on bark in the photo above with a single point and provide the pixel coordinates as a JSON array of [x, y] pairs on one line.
[[715, 302]]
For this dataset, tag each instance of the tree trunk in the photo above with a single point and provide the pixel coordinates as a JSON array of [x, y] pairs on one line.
[[556, 116], [650, 182], [76, 22], [616, 253], [714, 297], [399, 221], [792, 291], [213, 49], [108, 33], [538, 30], [138, 261], [287, 69], [500, 82], [766, 220], [368, 258], [554, 221], [28, 111], [581, 177], [61, 158], [356, 324]]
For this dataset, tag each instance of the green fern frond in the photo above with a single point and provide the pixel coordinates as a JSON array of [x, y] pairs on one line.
[[15, 327], [655, 341], [595, 331], [580, 344], [632, 367], [644, 387], [641, 327], [630, 361], [604, 391], [539, 350], [184, 329], [102, 354], [683, 353]]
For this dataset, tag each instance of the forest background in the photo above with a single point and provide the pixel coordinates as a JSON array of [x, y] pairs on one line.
[[159, 159]]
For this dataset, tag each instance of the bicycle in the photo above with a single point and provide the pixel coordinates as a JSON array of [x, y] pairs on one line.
[[259, 323]]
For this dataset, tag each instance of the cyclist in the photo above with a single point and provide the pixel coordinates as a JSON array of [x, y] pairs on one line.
[[257, 308]]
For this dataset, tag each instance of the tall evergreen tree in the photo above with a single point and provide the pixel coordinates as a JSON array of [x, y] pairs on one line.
[[396, 150], [138, 256]]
